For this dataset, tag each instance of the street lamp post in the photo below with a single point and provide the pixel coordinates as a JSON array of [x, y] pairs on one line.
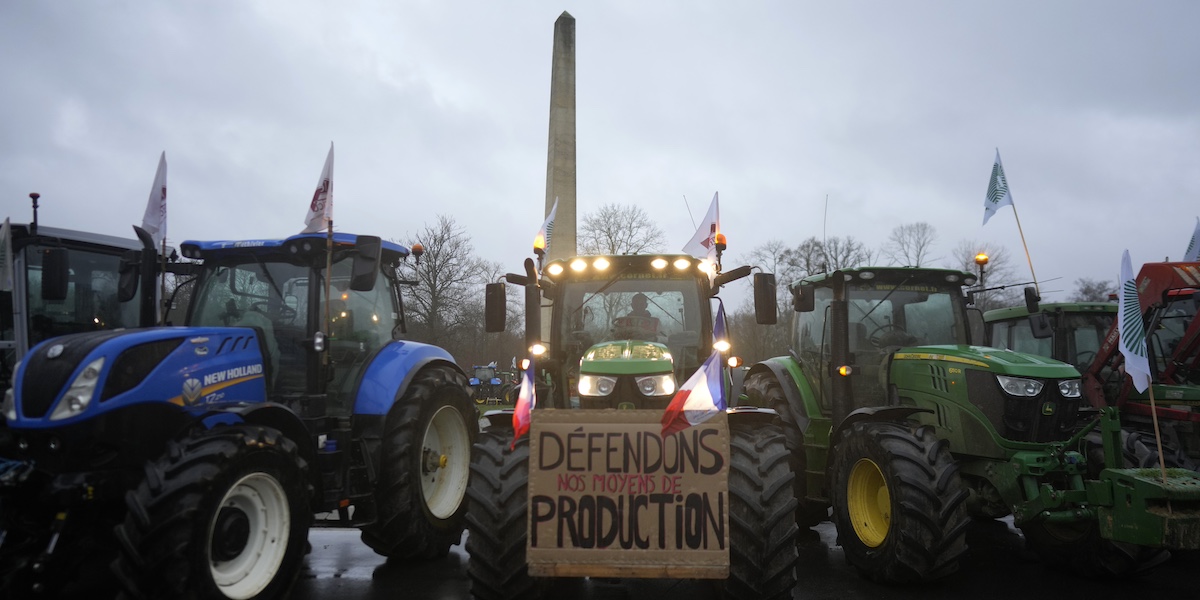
[[981, 260]]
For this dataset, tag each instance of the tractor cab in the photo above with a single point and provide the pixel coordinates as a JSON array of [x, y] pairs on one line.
[[1068, 331], [278, 288], [630, 328], [885, 309], [624, 331]]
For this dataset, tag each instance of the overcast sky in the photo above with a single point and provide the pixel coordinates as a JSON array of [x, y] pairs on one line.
[[893, 110]]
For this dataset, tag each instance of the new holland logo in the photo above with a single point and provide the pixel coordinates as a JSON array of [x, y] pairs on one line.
[[191, 391]]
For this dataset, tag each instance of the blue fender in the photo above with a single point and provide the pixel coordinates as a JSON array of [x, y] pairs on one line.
[[391, 372]]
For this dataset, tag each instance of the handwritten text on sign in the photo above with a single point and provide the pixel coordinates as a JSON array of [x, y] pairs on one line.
[[606, 488]]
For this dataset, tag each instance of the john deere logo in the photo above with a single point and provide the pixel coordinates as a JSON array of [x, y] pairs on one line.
[[191, 391], [1048, 409], [626, 406]]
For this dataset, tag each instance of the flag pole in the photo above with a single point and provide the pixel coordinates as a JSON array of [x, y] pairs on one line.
[[162, 288], [328, 284], [1162, 467], [1027, 257]]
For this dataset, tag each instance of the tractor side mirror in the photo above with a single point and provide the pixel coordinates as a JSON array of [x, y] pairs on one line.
[[495, 309], [127, 282], [1039, 324], [766, 310], [803, 298], [366, 263], [1031, 300], [56, 273]]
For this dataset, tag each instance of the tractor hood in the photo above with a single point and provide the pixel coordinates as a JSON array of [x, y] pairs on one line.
[[995, 360], [75, 377], [626, 357]]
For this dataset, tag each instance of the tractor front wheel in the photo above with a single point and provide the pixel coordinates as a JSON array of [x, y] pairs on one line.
[[898, 502], [496, 519], [764, 390], [224, 514], [422, 487], [762, 531]]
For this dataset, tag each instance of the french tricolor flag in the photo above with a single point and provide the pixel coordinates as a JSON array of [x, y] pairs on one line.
[[700, 397], [526, 400]]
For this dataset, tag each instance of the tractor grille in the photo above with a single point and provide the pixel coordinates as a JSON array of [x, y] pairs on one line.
[[45, 377], [134, 364], [1047, 417]]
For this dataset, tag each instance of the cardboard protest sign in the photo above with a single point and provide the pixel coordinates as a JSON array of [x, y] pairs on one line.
[[609, 496]]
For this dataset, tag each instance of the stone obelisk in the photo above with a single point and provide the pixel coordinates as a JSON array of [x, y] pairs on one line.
[[560, 161]]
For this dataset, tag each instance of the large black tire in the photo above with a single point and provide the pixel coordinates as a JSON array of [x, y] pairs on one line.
[[421, 494], [763, 390], [224, 513], [496, 520], [762, 532], [898, 502]]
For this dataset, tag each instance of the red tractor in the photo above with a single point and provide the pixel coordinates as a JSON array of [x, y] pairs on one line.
[[1167, 296]]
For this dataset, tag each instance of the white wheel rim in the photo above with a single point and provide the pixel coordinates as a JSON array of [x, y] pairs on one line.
[[445, 462], [264, 503]]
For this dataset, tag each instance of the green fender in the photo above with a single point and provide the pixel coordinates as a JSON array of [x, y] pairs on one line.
[[796, 388]]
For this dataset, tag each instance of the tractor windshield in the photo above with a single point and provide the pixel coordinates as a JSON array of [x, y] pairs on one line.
[[653, 308], [885, 314]]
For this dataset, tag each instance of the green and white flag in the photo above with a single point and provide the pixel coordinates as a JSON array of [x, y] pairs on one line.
[[997, 194], [1193, 250], [6, 260], [1133, 334]]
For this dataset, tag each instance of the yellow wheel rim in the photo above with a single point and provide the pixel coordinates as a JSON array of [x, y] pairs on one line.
[[869, 503]]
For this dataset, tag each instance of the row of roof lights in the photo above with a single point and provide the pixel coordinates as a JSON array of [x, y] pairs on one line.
[[600, 264]]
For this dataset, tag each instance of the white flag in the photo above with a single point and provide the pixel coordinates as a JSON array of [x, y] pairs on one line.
[[320, 210], [1129, 324], [541, 242], [997, 194], [6, 261], [155, 219], [704, 243], [1193, 250]]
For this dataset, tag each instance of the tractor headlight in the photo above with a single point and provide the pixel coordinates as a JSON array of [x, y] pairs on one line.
[[9, 407], [656, 385], [79, 395], [596, 385], [1019, 386], [1069, 388]]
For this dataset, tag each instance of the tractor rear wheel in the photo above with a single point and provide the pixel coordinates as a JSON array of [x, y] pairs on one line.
[[762, 532], [224, 514], [496, 519], [421, 494], [898, 502], [764, 390]]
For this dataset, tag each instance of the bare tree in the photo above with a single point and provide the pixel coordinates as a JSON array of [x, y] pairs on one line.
[[999, 273], [910, 244], [445, 307], [772, 256], [843, 253], [1092, 290], [619, 229]]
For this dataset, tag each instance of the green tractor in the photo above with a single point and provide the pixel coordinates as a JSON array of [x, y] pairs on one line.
[[597, 488], [907, 431], [1071, 332]]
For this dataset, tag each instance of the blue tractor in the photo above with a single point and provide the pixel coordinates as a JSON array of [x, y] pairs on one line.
[[194, 458]]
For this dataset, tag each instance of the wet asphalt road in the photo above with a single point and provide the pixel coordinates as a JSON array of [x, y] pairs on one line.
[[997, 566]]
